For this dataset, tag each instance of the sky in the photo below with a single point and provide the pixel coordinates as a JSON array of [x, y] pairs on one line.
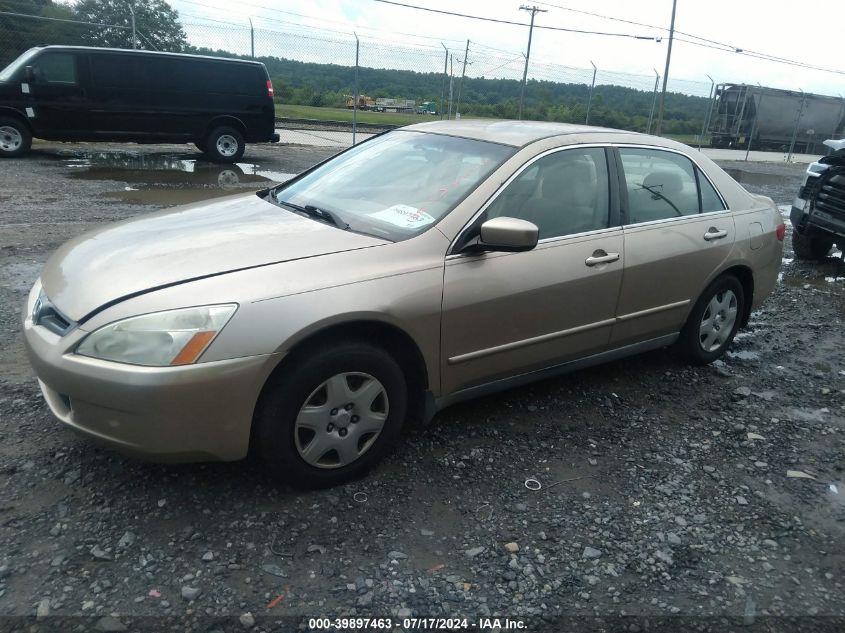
[[771, 27]]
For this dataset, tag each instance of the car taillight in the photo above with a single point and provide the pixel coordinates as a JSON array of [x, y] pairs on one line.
[[269, 88], [781, 232]]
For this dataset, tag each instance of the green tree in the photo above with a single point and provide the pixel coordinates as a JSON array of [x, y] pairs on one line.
[[156, 23], [18, 34]]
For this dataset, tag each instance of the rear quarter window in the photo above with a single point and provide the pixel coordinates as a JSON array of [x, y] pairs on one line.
[[187, 75]]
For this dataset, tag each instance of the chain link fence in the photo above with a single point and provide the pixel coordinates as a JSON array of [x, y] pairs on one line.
[[335, 88]]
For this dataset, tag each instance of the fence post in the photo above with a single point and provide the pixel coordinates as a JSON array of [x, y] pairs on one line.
[[461, 85], [757, 105], [442, 104], [653, 100], [590, 100], [355, 105], [132, 19], [795, 129], [451, 84], [251, 39], [707, 114]]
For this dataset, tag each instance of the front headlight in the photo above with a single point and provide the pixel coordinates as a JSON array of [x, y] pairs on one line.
[[175, 337]]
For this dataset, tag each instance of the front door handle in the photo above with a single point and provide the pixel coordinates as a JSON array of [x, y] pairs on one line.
[[714, 234], [601, 257]]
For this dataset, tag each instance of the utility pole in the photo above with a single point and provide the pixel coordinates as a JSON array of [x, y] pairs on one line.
[[659, 126], [534, 11], [461, 85], [132, 18]]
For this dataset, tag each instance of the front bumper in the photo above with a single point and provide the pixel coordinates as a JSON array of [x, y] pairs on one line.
[[194, 412]]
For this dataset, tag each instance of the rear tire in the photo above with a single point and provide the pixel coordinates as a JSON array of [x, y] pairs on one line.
[[810, 248], [224, 145], [714, 321], [15, 137], [318, 424]]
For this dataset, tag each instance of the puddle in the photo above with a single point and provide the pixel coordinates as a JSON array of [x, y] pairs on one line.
[[168, 179], [755, 178]]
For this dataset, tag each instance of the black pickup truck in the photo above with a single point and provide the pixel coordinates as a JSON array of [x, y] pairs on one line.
[[818, 213]]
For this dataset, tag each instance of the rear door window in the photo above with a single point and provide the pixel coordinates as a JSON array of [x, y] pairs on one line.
[[661, 185], [710, 200]]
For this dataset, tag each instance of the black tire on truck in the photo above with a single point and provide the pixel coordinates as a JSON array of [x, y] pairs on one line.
[[810, 248]]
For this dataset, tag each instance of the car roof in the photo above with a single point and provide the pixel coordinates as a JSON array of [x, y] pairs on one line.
[[517, 133], [130, 51]]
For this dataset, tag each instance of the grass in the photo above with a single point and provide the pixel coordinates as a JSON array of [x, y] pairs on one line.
[[391, 118], [342, 114]]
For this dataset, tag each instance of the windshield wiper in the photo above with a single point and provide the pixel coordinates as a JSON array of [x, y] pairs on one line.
[[311, 211]]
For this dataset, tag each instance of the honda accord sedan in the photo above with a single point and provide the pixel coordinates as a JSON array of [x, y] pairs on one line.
[[428, 265]]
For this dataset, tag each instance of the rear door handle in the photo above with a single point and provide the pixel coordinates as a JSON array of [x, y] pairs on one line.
[[714, 234], [601, 257]]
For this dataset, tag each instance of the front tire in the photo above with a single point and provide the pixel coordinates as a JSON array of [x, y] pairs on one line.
[[810, 248], [224, 145], [331, 414], [714, 321], [15, 137]]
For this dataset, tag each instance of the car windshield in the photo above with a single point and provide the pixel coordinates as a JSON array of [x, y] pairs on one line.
[[394, 186], [9, 71]]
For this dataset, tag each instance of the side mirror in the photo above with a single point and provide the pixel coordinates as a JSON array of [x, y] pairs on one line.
[[29, 74], [505, 234]]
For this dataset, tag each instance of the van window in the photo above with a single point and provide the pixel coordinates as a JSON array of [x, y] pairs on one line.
[[55, 68], [189, 75]]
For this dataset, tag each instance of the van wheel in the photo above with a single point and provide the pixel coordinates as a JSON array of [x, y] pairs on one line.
[[224, 145], [332, 416], [15, 139], [714, 321], [811, 248]]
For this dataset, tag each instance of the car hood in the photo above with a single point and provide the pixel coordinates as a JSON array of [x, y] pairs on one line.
[[199, 240]]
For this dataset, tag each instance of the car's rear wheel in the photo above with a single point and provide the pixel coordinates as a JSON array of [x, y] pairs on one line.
[[224, 145], [811, 248], [15, 137], [714, 321], [332, 415]]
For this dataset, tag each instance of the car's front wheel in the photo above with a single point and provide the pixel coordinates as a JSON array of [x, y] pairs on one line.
[[15, 137], [224, 145], [331, 414], [810, 248], [714, 321]]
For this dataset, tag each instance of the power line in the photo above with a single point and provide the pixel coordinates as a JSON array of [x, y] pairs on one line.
[[499, 21], [716, 45], [310, 17]]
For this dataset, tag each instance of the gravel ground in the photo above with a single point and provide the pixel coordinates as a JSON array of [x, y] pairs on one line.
[[665, 500]]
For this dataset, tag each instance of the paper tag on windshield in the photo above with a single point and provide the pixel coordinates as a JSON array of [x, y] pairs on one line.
[[404, 216]]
